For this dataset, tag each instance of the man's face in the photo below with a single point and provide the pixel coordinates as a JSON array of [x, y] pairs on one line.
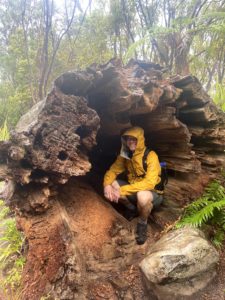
[[131, 143]]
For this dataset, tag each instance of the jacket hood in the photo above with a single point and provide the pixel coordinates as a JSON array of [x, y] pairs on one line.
[[138, 133]]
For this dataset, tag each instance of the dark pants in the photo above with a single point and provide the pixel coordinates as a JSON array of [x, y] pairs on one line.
[[157, 198]]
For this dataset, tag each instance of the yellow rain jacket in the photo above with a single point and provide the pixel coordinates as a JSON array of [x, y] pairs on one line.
[[138, 179]]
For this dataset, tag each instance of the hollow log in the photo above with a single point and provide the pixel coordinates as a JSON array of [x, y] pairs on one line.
[[79, 246]]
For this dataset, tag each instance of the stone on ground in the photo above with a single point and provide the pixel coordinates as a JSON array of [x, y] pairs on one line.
[[180, 264]]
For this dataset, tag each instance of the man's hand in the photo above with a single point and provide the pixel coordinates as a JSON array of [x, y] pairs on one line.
[[116, 195], [111, 194], [108, 192]]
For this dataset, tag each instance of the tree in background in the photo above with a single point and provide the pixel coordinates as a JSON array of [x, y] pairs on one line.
[[31, 32], [40, 39]]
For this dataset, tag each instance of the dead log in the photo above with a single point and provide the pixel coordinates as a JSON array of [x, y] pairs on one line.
[[77, 127], [81, 248], [53, 137]]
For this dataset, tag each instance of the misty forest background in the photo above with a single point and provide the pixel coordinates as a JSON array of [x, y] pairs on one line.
[[40, 39]]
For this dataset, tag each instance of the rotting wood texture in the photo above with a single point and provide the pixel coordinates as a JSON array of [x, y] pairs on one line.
[[57, 140]]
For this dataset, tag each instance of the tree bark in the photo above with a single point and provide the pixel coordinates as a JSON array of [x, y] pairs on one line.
[[79, 246]]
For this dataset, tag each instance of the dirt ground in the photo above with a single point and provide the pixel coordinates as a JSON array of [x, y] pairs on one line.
[[216, 290]]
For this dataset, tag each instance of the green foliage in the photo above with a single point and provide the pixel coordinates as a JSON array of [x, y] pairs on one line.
[[134, 47], [11, 240], [4, 133], [11, 259], [165, 32], [91, 46], [208, 209], [219, 96], [4, 210]]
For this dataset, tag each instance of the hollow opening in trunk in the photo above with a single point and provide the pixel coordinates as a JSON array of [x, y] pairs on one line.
[[172, 113], [83, 131], [62, 155], [165, 133], [166, 143]]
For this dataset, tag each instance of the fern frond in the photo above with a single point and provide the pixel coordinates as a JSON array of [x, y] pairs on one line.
[[215, 191], [218, 238], [209, 209], [196, 205], [219, 218], [201, 216]]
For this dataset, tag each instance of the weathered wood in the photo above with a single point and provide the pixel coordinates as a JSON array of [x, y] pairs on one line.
[[53, 139], [4, 172], [54, 142], [75, 248], [7, 190]]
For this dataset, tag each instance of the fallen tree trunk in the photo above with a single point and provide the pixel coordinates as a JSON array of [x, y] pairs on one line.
[[72, 234], [80, 249]]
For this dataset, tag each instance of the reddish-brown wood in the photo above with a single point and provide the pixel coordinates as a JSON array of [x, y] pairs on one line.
[[69, 236]]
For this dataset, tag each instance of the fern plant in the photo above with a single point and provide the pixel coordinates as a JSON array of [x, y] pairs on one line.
[[207, 210]]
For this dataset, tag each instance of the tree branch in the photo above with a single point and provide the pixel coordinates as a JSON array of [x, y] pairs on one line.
[[57, 47]]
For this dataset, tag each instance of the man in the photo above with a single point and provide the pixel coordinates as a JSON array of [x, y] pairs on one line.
[[140, 190]]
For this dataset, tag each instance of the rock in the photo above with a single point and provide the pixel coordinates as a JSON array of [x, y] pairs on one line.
[[181, 263]]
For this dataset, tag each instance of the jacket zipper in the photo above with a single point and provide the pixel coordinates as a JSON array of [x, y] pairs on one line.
[[135, 174]]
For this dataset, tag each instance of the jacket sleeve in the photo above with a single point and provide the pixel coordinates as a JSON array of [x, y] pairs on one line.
[[150, 180], [116, 168]]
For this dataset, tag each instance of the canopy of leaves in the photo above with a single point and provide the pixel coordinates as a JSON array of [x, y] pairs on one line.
[[41, 39]]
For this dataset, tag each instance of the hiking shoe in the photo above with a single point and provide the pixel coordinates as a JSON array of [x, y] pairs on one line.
[[141, 233], [130, 214]]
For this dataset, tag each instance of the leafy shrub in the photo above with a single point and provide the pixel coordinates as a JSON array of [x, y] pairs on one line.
[[11, 259], [208, 210], [219, 95], [11, 241], [4, 133]]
